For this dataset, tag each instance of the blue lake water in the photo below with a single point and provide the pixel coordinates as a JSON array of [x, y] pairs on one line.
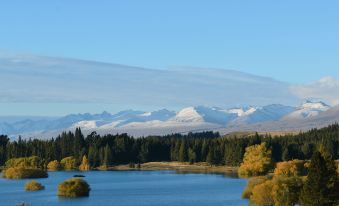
[[131, 188]]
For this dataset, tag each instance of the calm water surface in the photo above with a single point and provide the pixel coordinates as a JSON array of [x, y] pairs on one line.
[[131, 188]]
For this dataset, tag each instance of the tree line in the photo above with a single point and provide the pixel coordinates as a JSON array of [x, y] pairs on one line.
[[192, 147]]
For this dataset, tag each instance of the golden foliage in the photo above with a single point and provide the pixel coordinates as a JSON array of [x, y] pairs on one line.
[[33, 186], [262, 194], [291, 168], [68, 163], [286, 190], [74, 187], [22, 173], [257, 161], [84, 166], [25, 162], [254, 181], [53, 165]]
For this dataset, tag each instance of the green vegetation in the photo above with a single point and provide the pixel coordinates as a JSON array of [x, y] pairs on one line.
[[257, 161], [321, 186], [110, 150], [69, 163], [288, 186], [74, 187], [33, 186]]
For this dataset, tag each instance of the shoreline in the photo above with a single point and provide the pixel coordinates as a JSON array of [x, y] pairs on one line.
[[201, 167]]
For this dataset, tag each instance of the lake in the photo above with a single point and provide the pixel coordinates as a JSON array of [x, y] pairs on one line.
[[130, 188]]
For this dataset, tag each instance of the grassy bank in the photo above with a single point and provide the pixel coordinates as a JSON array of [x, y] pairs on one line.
[[179, 166]]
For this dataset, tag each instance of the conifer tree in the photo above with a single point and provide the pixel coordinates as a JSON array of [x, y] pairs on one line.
[[320, 186], [107, 156], [183, 152]]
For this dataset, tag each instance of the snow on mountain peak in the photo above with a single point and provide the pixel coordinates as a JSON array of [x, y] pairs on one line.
[[308, 109], [315, 105], [188, 114]]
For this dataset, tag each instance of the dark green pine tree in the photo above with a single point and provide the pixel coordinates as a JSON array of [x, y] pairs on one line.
[[183, 156], [107, 160], [320, 186], [79, 144]]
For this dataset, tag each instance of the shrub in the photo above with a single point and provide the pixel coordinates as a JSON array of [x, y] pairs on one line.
[[74, 187], [257, 161], [69, 163], [53, 165], [291, 168], [286, 190], [33, 186], [254, 181], [23, 173], [262, 194]]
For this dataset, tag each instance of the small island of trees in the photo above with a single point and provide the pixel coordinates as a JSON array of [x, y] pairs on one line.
[[75, 187], [33, 186], [25, 167]]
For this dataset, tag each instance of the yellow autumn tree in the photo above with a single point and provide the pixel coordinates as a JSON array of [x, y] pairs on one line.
[[262, 194], [53, 165], [254, 181], [291, 168], [286, 190], [69, 163], [257, 161], [84, 166]]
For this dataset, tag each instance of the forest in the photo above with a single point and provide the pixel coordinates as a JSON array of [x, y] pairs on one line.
[[192, 147]]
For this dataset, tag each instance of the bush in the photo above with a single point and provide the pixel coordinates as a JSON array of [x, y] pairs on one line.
[[23, 173], [291, 168], [254, 181], [74, 187], [69, 163], [33, 186], [262, 194], [279, 191], [286, 190], [53, 165]]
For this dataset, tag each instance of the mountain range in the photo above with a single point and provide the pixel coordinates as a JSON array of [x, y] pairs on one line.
[[274, 117]]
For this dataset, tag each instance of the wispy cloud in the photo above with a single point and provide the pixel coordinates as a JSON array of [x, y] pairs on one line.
[[49, 80], [326, 88]]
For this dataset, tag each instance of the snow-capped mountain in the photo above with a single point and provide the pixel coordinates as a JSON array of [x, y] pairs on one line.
[[165, 121], [307, 109], [272, 112]]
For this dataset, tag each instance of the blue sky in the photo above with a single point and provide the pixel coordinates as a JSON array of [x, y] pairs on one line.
[[293, 41]]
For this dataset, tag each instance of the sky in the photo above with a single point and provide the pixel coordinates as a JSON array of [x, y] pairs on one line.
[[291, 41]]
